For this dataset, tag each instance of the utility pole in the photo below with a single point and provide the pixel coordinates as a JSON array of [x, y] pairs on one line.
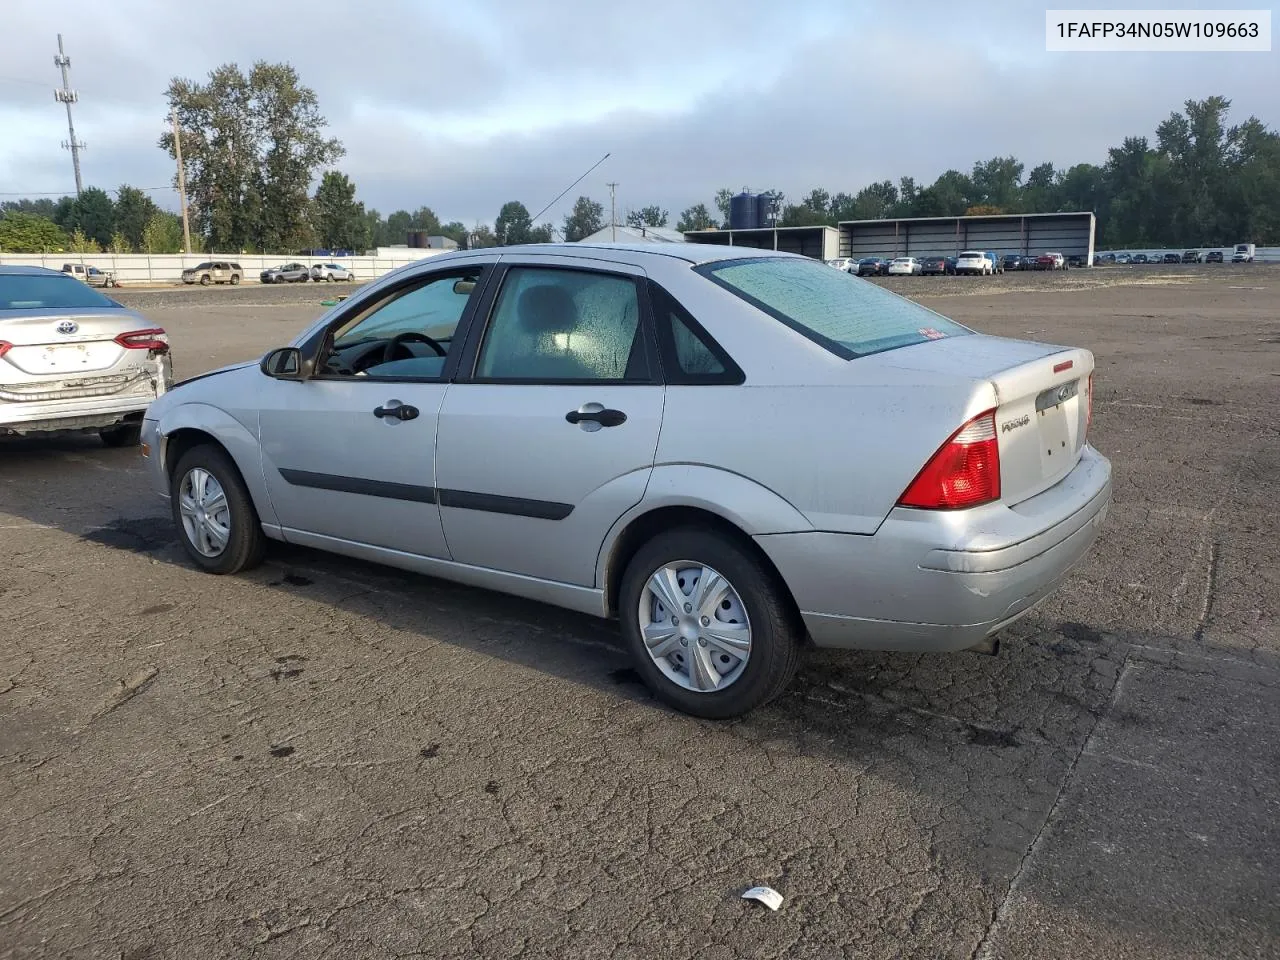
[[613, 216], [68, 96], [182, 181]]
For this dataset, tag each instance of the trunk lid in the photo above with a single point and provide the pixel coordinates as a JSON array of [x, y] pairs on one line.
[[62, 344], [1040, 393]]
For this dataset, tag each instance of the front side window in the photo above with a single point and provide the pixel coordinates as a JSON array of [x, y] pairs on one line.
[[407, 334], [848, 316], [556, 325]]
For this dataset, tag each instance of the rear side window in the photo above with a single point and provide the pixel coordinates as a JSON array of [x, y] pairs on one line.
[[848, 316], [689, 354]]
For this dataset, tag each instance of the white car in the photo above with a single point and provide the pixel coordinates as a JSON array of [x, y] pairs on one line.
[[331, 272], [847, 264], [904, 265], [73, 359], [974, 261]]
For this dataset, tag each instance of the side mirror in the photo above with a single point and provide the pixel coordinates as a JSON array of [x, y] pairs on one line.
[[284, 363]]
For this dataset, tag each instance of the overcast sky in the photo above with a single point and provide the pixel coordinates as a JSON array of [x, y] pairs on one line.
[[464, 105]]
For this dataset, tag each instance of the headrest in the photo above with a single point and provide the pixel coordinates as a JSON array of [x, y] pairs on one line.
[[547, 309]]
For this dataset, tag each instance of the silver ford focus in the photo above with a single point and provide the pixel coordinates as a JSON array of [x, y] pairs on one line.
[[72, 359], [733, 452]]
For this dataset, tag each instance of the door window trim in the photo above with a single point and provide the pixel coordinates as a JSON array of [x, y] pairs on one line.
[[484, 316], [317, 342]]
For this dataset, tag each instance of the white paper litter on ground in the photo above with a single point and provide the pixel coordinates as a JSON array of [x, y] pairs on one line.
[[767, 895]]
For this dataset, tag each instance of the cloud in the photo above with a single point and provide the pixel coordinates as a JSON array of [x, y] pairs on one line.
[[464, 106]]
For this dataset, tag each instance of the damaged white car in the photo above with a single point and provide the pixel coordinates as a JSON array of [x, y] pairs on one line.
[[72, 359]]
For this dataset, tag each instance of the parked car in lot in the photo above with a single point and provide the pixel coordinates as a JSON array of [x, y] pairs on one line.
[[1172, 258], [666, 424], [72, 359], [1077, 260], [1012, 261], [90, 275], [1244, 253], [974, 262], [331, 272], [289, 273], [1051, 261], [1139, 258], [1213, 256], [908, 266], [872, 267], [846, 264], [213, 271], [934, 266], [1191, 256], [1122, 258]]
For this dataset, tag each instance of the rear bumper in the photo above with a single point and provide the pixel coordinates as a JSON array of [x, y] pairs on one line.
[[939, 581], [53, 417]]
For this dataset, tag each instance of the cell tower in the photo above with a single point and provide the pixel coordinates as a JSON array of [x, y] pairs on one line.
[[68, 96]]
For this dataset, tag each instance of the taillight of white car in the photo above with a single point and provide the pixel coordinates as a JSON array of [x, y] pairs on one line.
[[965, 472], [153, 339]]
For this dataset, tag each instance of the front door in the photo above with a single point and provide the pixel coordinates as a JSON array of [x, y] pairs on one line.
[[349, 454], [553, 436]]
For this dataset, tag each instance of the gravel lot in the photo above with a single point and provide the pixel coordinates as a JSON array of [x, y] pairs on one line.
[[328, 759]]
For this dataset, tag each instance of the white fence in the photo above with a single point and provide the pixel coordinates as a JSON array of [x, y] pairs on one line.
[[147, 268]]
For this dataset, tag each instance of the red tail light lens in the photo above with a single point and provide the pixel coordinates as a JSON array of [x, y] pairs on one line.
[[965, 472], [153, 339], [5, 347]]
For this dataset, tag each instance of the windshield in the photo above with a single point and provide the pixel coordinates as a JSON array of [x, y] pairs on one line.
[[38, 292], [848, 316]]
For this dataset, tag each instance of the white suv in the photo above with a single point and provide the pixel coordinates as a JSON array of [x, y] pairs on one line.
[[331, 272], [974, 261]]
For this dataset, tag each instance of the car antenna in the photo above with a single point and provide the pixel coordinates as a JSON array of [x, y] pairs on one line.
[[569, 187]]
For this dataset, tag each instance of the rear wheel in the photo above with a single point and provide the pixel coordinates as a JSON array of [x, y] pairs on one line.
[[214, 514], [235, 278], [708, 625], [124, 435]]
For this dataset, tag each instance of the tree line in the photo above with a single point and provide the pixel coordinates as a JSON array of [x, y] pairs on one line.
[[253, 143], [1200, 182]]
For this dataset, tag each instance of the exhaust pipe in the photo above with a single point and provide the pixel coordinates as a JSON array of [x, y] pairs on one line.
[[989, 646]]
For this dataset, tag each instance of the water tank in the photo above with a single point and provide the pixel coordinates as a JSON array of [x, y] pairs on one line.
[[764, 210], [418, 239], [744, 213]]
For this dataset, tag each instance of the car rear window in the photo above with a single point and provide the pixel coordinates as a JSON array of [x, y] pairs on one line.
[[27, 292], [974, 254], [848, 316]]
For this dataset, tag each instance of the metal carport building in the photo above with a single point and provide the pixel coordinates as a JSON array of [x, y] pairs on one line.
[[1070, 234], [819, 242]]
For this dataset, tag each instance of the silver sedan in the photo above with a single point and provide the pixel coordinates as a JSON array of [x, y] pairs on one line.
[[733, 452], [72, 359]]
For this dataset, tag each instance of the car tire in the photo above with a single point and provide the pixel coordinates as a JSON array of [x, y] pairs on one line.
[[753, 591], [245, 542], [124, 435], [234, 279], [204, 280]]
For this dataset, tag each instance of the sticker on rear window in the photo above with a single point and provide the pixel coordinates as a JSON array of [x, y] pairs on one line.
[[931, 333]]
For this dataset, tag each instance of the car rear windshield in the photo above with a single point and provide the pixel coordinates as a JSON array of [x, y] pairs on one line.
[[29, 292], [848, 316], [972, 254]]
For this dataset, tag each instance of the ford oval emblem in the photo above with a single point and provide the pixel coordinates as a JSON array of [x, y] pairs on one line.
[[68, 326]]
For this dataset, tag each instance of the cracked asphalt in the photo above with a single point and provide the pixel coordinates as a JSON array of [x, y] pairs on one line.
[[324, 758]]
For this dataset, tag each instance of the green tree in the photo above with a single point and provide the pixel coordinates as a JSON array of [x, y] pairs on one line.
[[133, 209], [94, 214], [514, 225], [162, 234], [397, 227], [586, 217], [996, 183], [650, 216], [40, 206], [251, 145], [697, 217], [424, 218], [83, 244], [481, 236], [723, 197], [456, 231], [339, 218], [119, 244], [875, 201], [28, 233]]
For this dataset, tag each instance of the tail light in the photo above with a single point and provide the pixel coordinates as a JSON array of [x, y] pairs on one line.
[[5, 347], [154, 339], [965, 472]]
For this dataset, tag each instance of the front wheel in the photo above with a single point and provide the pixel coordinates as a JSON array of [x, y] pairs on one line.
[[204, 281], [709, 626], [214, 514]]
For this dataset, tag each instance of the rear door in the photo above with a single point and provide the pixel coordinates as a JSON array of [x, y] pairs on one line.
[[551, 436]]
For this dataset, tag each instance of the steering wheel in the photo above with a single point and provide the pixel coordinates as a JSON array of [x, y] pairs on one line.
[[389, 351]]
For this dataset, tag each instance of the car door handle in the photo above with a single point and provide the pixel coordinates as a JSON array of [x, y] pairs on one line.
[[595, 413], [394, 408]]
